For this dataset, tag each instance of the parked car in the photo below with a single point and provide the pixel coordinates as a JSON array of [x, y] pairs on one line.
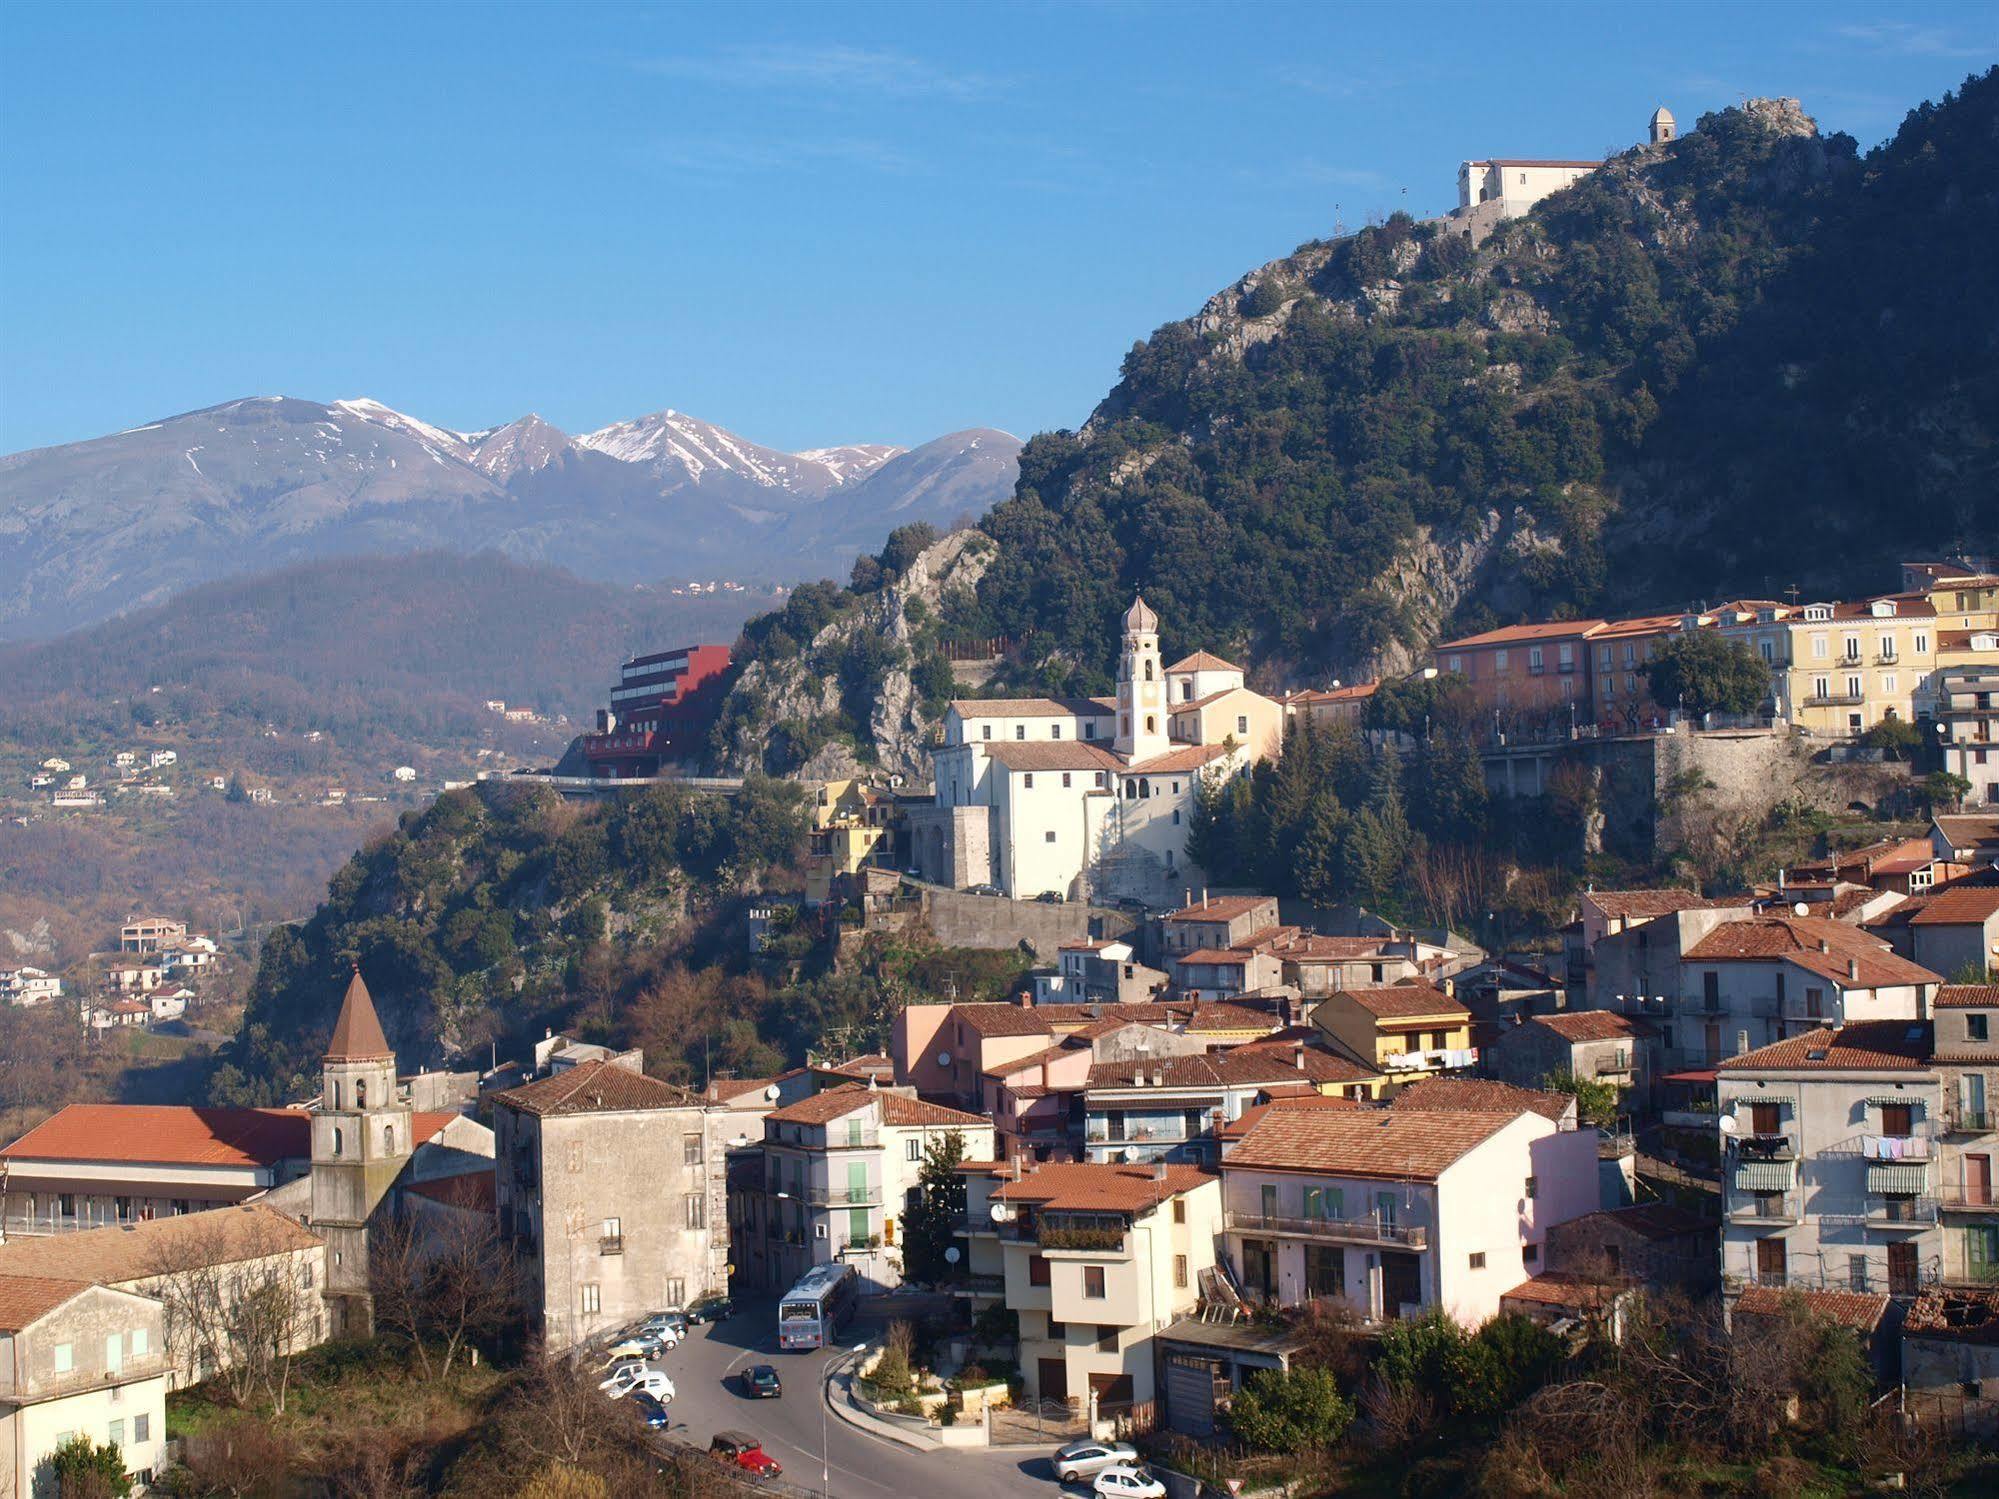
[[714, 1307], [1084, 1458], [1051, 898], [983, 889], [651, 1411], [761, 1381], [741, 1450], [640, 1345], [1126, 1481], [665, 1328], [647, 1381], [624, 1373]]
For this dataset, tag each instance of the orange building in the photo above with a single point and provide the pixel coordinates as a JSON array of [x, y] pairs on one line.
[[1528, 676]]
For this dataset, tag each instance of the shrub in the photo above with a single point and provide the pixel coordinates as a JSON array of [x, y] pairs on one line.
[[84, 1470], [1291, 1411], [1264, 298]]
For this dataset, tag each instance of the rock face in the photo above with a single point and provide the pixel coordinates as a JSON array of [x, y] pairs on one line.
[[778, 713]]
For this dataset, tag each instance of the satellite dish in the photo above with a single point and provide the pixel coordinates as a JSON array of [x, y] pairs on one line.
[[952, 1256], [1728, 1124], [1799, 908], [943, 1059], [1000, 1212], [895, 781], [771, 1093]]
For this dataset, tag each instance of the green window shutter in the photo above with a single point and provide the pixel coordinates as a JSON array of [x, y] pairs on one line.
[[857, 1223], [857, 1181]]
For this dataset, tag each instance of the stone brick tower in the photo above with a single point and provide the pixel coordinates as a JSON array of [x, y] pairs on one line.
[[1664, 126], [360, 1144], [1141, 687]]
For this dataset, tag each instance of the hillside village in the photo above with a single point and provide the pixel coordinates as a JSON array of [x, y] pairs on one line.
[[1565, 1063]]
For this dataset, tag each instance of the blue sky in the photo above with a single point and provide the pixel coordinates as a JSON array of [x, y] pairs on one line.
[[810, 223]]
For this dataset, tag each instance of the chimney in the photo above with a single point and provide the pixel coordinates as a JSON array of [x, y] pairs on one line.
[[1853, 970], [1824, 946], [1159, 1171], [1204, 897], [1298, 1056]]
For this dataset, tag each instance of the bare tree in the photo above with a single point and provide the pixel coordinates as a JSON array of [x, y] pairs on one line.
[[442, 1280], [240, 1298]]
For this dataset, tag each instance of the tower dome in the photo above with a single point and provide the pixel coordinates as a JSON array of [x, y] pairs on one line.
[[1140, 616], [1664, 126]]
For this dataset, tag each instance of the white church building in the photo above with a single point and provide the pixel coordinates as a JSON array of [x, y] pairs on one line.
[[1090, 798]]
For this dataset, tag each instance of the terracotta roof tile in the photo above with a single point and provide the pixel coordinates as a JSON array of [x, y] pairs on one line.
[[1852, 1309], [1400, 1001], [903, 1111], [1397, 1144], [1203, 661], [127, 1252], [1969, 831], [1561, 1288], [1656, 1221], [1239, 1067], [1083, 1186], [1215, 1016], [1962, 1316], [26, 1299], [1629, 903], [1959, 905], [167, 1135], [1798, 939], [1052, 754], [1967, 996], [1476, 1095], [1555, 630], [993, 1018], [1216, 957], [596, 1088], [1235, 1129], [474, 1191], [1223, 908], [1576, 1026], [1191, 757], [1031, 707], [1860, 1046]]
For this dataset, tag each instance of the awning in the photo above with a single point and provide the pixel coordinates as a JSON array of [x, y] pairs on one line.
[[1765, 1176], [1891, 1179], [1695, 1075], [1891, 1100]]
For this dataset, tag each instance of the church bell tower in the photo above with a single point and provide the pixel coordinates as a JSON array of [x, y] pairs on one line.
[[360, 1145], [1141, 687]]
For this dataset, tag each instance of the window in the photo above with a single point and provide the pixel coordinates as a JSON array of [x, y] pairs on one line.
[[1535, 660], [1533, 1188], [1057, 1331], [1455, 663], [1106, 1338], [65, 1357], [1065, 780], [1530, 1254], [676, 1291], [388, 1139], [1103, 780], [139, 1342], [614, 1228], [1478, 1260], [1020, 731], [361, 1093], [1856, 1273], [1180, 1271], [1922, 645], [1179, 1210], [1856, 687], [590, 1299], [1151, 724], [1821, 647], [697, 1210], [1888, 683], [912, 1149], [1977, 1027], [1852, 647], [1049, 836], [1499, 661], [1027, 780], [142, 1430], [1093, 1282], [117, 1433], [1055, 731], [1821, 686], [336, 1139], [1897, 1119], [1037, 1272], [985, 731], [1242, 723], [690, 1150]]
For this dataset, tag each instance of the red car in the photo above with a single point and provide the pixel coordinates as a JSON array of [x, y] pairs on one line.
[[741, 1450]]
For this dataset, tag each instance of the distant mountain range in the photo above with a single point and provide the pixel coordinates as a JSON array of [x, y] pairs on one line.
[[97, 528]]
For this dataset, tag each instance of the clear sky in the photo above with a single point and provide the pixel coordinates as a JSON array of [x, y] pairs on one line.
[[811, 223]]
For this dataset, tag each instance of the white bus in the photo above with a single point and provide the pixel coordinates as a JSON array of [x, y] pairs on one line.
[[813, 1311]]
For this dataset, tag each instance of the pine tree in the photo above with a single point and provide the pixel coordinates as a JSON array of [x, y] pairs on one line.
[[1316, 870], [929, 1224]]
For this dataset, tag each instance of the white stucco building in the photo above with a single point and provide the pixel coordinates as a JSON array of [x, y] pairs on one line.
[[1089, 798]]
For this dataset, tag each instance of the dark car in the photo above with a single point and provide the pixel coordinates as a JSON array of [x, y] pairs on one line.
[[741, 1450], [761, 1381], [714, 1308], [650, 1410], [1051, 898]]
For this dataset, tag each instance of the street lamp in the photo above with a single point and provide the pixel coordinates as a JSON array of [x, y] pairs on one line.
[[825, 1449]]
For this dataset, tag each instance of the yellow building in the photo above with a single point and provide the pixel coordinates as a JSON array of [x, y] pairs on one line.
[[1839, 669], [853, 825], [1407, 1031]]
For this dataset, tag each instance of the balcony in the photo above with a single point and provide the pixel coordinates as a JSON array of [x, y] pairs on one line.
[[1372, 1229], [1970, 1121], [1890, 1148], [1617, 1066], [844, 1197], [1431, 1059], [1900, 1212], [1766, 1147], [1767, 1207], [1957, 1198], [611, 1244], [1836, 700]]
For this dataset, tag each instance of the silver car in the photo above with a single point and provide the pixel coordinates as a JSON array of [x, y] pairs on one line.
[[1082, 1459]]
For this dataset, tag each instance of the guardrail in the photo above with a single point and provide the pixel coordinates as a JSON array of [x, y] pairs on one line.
[[1372, 1229]]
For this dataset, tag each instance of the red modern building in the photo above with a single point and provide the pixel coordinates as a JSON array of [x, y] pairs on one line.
[[662, 704]]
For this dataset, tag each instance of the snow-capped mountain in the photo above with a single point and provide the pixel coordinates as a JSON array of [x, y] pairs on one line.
[[96, 528]]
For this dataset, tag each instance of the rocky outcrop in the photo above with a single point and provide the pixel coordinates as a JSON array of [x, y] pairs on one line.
[[800, 714]]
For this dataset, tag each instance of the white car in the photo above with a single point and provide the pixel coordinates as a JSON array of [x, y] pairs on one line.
[[1085, 1458], [628, 1379], [1123, 1481]]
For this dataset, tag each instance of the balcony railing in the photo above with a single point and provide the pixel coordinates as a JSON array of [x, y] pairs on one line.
[[1431, 1059], [1060, 1237], [1769, 1207], [1901, 1212], [1958, 1198], [1371, 1229], [1766, 1147], [843, 1197], [611, 1244], [1617, 1066], [1970, 1121]]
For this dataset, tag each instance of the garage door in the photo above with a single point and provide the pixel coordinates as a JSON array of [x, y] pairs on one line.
[[1190, 1394]]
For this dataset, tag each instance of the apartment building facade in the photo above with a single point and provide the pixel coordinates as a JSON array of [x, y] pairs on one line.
[[78, 1360], [1404, 1031]]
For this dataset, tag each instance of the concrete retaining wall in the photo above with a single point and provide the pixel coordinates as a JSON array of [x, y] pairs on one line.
[[993, 921]]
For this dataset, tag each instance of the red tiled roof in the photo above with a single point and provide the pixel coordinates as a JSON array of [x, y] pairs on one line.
[[994, 1018], [1216, 957], [1967, 996], [1629, 903], [596, 1088], [1397, 1144], [1400, 1001], [1239, 1067], [1798, 939], [896, 1108], [1222, 908], [1235, 1129], [1032, 707], [1961, 1316], [1561, 1288], [1215, 1016], [158, 1134], [1859, 1046], [1082, 1186], [1192, 757], [1852, 1309], [1576, 1026], [1968, 831], [1203, 661], [1311, 695], [1477, 1095], [1959, 905], [357, 1034], [903, 1111], [1556, 629], [1656, 1221], [131, 1251], [26, 1299], [1052, 754]]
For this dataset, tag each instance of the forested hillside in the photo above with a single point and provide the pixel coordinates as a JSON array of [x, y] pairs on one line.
[[503, 909], [1750, 358]]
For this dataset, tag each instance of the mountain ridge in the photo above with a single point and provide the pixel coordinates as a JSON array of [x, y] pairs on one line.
[[92, 529]]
